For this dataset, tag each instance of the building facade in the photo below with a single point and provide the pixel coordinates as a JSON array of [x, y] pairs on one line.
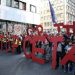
[[16, 15], [64, 11]]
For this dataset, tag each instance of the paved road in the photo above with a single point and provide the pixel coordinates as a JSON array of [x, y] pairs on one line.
[[18, 65]]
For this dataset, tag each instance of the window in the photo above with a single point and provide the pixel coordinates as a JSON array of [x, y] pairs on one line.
[[16, 4], [12, 3], [10, 26], [9, 3], [22, 5], [48, 11], [33, 8], [67, 7], [41, 18], [46, 24], [44, 17], [0, 25]]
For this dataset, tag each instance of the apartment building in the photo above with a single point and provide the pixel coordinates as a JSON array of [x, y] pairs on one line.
[[64, 11], [17, 15]]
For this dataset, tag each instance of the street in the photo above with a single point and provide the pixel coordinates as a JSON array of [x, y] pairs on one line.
[[19, 65]]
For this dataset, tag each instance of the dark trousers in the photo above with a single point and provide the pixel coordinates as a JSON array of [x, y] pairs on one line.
[[19, 49], [0, 44], [58, 58], [62, 56], [4, 45], [7, 45], [69, 66]]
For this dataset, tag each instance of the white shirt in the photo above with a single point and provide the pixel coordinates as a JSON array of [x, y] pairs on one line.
[[59, 48]]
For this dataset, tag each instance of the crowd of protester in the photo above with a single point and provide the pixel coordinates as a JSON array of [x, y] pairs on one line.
[[62, 48], [7, 41]]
